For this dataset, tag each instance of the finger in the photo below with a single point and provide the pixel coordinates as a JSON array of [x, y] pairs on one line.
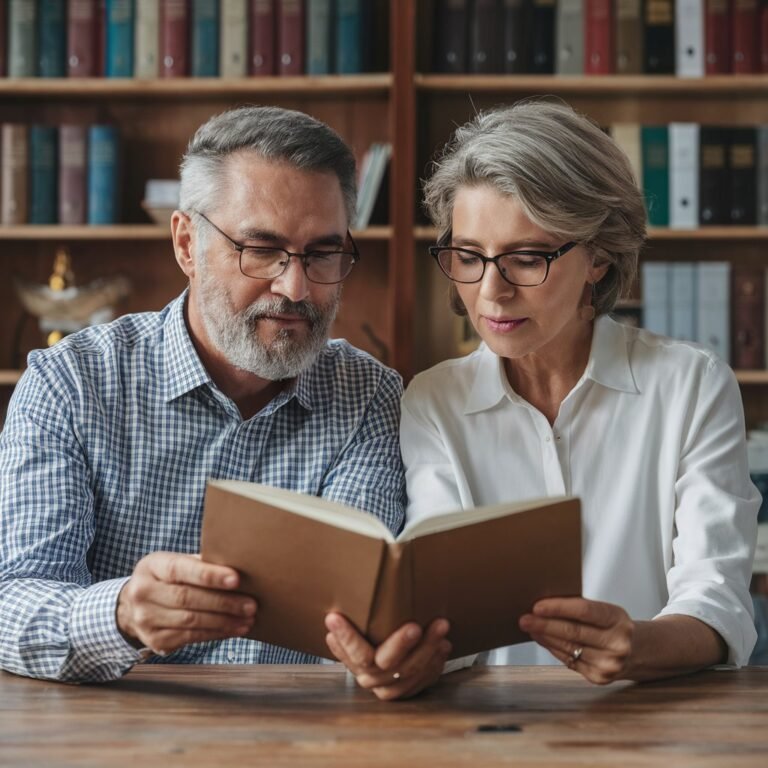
[[397, 646], [568, 631], [579, 609], [357, 649], [166, 641], [433, 648], [175, 568], [173, 619], [337, 650], [425, 671], [184, 596]]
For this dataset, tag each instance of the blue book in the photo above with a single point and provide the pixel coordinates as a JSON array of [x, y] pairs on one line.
[[103, 176], [205, 38], [350, 20], [43, 167], [118, 56], [51, 39], [320, 24]]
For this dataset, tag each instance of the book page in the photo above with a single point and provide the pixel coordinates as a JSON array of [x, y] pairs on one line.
[[312, 507], [446, 521]]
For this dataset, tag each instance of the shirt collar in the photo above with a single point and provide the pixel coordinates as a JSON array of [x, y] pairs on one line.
[[608, 365]]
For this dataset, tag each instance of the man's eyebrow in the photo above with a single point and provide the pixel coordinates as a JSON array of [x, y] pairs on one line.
[[269, 236]]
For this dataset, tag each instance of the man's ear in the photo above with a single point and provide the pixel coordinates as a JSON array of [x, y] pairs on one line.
[[183, 235]]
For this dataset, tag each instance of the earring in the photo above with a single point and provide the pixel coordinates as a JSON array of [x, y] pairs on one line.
[[587, 311]]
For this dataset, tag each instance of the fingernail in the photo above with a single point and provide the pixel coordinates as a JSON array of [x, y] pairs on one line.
[[332, 621], [230, 581], [412, 633], [443, 626]]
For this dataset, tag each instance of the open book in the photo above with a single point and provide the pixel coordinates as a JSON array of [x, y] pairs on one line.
[[302, 557]]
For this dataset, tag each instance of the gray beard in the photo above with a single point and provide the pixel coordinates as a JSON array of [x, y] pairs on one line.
[[234, 334]]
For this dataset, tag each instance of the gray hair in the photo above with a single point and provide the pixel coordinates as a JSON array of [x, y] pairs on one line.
[[570, 178], [282, 135]]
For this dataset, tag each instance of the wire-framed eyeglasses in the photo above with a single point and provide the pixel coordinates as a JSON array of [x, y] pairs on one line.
[[325, 265], [524, 268]]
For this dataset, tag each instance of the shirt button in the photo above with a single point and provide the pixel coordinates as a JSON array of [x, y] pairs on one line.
[[547, 438]]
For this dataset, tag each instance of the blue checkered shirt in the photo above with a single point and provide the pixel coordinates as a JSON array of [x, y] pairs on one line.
[[109, 440]]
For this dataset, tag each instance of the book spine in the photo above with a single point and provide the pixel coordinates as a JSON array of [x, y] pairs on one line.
[[22, 56], [627, 136], [320, 23], [742, 175], [569, 33], [748, 327], [72, 174], [451, 24], [3, 39], [350, 37], [261, 37], [118, 54], [659, 37], [233, 49], [683, 175], [174, 38], [713, 320], [14, 174], [146, 54], [205, 38], [655, 281], [762, 175], [514, 25], [81, 38], [763, 34], [683, 308], [689, 38], [541, 56], [598, 37], [629, 37], [42, 176], [392, 603], [290, 37], [717, 42], [713, 176], [103, 166], [655, 146], [52, 41], [745, 54], [483, 48]]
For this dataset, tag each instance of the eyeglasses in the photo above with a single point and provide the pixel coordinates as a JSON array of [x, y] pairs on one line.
[[325, 266], [523, 268]]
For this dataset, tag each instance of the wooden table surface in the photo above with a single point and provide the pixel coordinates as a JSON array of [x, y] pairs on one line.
[[314, 715]]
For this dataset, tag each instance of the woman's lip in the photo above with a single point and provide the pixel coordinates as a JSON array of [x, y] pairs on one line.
[[504, 323]]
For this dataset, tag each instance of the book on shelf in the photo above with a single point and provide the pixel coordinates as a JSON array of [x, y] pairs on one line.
[[683, 310], [742, 176], [146, 54], [713, 311], [569, 34], [599, 58], [43, 172], [451, 22], [627, 136], [233, 45], [655, 148], [713, 176], [174, 38], [261, 37], [748, 317], [763, 33], [72, 181], [629, 27], [541, 37], [82, 31], [484, 45], [22, 38], [205, 38], [373, 171], [514, 36], [118, 53], [290, 17], [319, 37], [103, 174], [302, 557], [659, 38], [762, 175], [655, 289], [51, 39], [683, 175], [3, 39], [351, 36], [14, 174], [745, 37], [689, 38], [717, 37]]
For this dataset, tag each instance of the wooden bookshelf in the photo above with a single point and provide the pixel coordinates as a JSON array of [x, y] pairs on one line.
[[9, 378]]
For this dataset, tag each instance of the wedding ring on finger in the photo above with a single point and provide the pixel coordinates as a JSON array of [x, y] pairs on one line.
[[576, 654], [396, 676]]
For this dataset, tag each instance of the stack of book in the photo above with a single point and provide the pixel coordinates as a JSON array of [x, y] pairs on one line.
[[182, 38], [66, 174], [372, 186], [687, 38]]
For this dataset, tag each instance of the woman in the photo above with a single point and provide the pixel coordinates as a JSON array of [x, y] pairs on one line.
[[540, 224]]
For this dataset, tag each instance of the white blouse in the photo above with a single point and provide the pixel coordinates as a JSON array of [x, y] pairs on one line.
[[651, 439]]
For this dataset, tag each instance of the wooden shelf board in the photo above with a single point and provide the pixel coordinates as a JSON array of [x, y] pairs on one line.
[[188, 87], [663, 233], [633, 85], [9, 377]]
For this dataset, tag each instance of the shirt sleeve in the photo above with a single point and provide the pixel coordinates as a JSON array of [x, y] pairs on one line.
[[715, 517], [368, 473], [56, 623]]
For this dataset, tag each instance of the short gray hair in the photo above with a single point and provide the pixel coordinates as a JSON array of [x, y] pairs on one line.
[[570, 178], [282, 135]]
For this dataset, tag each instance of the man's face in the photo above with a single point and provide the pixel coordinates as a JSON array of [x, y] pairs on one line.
[[272, 328]]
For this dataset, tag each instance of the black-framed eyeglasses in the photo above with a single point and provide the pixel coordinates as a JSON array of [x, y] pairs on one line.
[[323, 265], [524, 268]]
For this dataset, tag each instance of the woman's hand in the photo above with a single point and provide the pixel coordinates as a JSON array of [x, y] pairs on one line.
[[592, 638]]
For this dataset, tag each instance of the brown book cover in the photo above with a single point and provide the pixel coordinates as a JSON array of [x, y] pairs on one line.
[[290, 37], [72, 174], [174, 38], [629, 37], [717, 39], [302, 557], [745, 37], [748, 319], [82, 43], [261, 53], [14, 172]]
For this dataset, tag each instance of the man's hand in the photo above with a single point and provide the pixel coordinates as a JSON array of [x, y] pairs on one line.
[[408, 661], [173, 599]]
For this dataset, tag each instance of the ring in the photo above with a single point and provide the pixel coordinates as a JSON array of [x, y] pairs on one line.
[[396, 676], [576, 654]]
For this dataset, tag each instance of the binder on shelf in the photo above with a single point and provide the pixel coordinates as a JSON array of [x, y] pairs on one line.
[[713, 307], [233, 45], [513, 23], [627, 136], [3, 39], [569, 34], [655, 148], [51, 39], [14, 174], [763, 36], [713, 176], [541, 36], [351, 39], [717, 37], [290, 37], [103, 174], [748, 317], [118, 53], [762, 175], [72, 174], [205, 38], [451, 23], [82, 31], [599, 31], [22, 38], [683, 175], [655, 288], [261, 37], [683, 300], [689, 38], [147, 40], [43, 170], [659, 38], [629, 31], [483, 45], [742, 176], [174, 38], [745, 37], [320, 25]]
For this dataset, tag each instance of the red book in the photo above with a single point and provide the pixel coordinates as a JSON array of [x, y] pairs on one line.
[[101, 38], [261, 54], [174, 38], [72, 174], [3, 35], [745, 53], [290, 37], [717, 39], [748, 322], [764, 36], [82, 43], [598, 37]]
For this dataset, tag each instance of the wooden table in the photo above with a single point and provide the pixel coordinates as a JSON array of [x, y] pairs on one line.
[[308, 716]]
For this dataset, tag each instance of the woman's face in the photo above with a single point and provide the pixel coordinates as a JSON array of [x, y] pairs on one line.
[[515, 321]]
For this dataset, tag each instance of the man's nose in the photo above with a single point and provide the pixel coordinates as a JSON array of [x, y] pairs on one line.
[[293, 283]]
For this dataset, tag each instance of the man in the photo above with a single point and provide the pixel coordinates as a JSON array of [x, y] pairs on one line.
[[112, 433]]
